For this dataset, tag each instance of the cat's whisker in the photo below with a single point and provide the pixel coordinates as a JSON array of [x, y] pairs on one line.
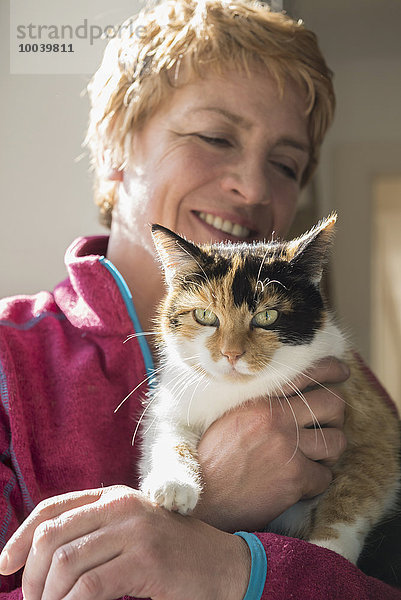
[[154, 397], [196, 283], [279, 401], [179, 379], [297, 430], [136, 335], [299, 393], [172, 368], [258, 283], [141, 418], [208, 306], [149, 427], [181, 385], [148, 378], [270, 405], [202, 377], [294, 417], [184, 382], [259, 272], [334, 334], [315, 421], [188, 280], [297, 373], [268, 281]]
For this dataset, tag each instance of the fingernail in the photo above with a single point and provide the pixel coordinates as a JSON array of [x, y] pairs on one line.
[[4, 558]]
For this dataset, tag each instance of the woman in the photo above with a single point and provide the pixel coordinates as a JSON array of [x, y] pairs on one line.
[[209, 123]]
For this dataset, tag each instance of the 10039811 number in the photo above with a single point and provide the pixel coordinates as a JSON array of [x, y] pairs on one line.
[[45, 48]]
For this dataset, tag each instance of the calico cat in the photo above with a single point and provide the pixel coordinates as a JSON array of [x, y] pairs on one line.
[[238, 322]]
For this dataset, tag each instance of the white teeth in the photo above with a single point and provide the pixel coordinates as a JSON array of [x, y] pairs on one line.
[[238, 231], [226, 225], [217, 222]]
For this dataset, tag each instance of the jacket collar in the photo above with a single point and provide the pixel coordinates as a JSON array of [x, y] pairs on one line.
[[93, 298]]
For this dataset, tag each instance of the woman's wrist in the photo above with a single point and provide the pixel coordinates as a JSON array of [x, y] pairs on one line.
[[240, 569]]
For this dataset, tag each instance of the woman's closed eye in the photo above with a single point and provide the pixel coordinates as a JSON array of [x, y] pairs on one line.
[[214, 140], [286, 170]]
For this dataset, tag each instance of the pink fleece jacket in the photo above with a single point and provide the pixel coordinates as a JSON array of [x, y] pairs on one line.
[[63, 370]]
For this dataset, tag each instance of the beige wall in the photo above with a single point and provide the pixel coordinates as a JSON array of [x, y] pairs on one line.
[[362, 44], [46, 197], [386, 283]]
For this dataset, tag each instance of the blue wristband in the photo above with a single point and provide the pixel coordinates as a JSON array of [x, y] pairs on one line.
[[258, 574]]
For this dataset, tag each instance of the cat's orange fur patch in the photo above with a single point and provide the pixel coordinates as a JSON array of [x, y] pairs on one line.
[[369, 467]]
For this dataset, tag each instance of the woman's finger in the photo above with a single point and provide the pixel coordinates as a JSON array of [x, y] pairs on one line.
[[81, 555], [48, 540], [15, 552], [49, 537], [316, 479], [325, 445], [106, 581], [318, 407]]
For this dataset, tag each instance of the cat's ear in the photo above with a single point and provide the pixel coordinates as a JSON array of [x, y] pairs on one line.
[[311, 250], [178, 256]]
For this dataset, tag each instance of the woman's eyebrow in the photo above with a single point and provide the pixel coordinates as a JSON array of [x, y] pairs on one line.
[[294, 143], [233, 117]]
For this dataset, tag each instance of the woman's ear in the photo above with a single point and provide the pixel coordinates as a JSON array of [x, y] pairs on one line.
[[114, 174], [109, 169]]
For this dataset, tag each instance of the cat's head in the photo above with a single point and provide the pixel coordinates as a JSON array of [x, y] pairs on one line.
[[231, 307]]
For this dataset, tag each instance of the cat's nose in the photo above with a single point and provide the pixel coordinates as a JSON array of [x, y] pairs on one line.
[[232, 355]]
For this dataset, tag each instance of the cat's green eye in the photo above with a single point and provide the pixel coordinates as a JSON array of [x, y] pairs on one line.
[[205, 317], [265, 318]]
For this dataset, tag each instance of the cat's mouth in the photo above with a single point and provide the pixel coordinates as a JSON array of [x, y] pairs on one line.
[[230, 373], [232, 231], [236, 372], [236, 376]]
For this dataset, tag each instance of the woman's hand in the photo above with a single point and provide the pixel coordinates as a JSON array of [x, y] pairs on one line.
[[111, 542], [262, 458]]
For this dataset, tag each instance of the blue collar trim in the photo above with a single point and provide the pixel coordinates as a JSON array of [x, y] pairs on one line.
[[129, 303]]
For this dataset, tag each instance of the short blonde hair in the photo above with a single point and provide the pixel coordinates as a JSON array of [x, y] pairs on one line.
[[136, 72]]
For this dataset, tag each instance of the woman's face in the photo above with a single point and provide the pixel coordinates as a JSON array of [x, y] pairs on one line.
[[223, 159]]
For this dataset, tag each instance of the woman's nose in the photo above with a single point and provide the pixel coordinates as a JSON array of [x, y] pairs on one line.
[[248, 181]]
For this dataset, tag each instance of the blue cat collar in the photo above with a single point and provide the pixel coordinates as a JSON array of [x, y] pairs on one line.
[[257, 578]]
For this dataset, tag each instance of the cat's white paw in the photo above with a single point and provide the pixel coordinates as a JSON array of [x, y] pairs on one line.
[[349, 539], [351, 553], [175, 495]]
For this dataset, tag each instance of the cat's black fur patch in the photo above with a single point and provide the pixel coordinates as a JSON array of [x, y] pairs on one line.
[[294, 327], [243, 291], [301, 325], [381, 555], [297, 326]]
